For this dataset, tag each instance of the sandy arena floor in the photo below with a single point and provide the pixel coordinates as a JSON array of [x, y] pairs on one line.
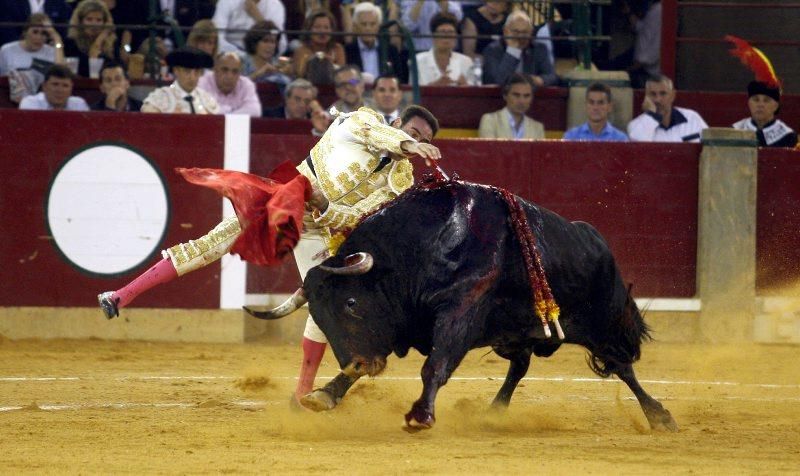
[[136, 407]]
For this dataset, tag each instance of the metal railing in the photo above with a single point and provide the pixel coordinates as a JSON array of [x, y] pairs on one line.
[[585, 32]]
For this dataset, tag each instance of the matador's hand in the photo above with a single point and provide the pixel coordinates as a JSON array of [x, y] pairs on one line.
[[426, 151], [318, 200]]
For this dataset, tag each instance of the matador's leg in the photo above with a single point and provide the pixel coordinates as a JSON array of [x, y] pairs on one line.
[[177, 261], [310, 251]]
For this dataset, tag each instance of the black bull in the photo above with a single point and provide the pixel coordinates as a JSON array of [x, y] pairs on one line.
[[448, 275]]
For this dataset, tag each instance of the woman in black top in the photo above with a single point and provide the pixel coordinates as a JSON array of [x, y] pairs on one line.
[[488, 19], [91, 35]]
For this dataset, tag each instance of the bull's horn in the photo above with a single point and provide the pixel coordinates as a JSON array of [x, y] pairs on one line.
[[295, 301], [356, 263]]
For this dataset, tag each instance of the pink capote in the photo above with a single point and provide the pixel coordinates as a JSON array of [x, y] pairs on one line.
[[270, 210]]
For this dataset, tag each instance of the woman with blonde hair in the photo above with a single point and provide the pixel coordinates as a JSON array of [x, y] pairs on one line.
[[204, 36], [318, 41], [91, 36]]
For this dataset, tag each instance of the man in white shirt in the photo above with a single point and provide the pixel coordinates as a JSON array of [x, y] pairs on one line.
[[239, 15], [183, 96], [660, 121], [386, 97], [56, 93], [234, 93]]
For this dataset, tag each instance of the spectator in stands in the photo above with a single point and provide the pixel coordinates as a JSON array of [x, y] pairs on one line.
[[188, 12], [349, 89], [183, 96], [204, 37], [350, 93], [660, 121], [234, 93], [19, 11], [764, 103], [262, 63], [56, 93], [33, 45], [647, 44], [320, 23], [297, 11], [387, 96], [235, 17], [441, 66], [347, 9], [511, 121], [91, 37], [299, 96], [599, 105], [516, 52], [114, 85], [488, 20], [129, 13], [417, 16], [364, 50]]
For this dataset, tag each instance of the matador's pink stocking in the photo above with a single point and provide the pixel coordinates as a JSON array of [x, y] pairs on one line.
[[312, 356], [160, 273]]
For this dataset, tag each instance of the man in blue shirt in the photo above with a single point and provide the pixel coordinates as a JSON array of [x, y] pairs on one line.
[[598, 107]]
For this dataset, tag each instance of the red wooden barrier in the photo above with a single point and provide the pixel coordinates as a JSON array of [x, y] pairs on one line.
[[778, 219], [641, 197], [34, 144]]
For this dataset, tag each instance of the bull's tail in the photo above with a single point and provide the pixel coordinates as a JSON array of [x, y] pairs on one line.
[[622, 344]]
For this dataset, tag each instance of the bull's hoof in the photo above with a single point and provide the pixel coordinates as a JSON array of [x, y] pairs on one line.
[[319, 400], [662, 421], [419, 420]]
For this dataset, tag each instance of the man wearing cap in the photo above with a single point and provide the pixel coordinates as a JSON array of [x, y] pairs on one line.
[[764, 98], [183, 96], [764, 102]]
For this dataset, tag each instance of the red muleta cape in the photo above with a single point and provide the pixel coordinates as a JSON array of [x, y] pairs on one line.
[[270, 210]]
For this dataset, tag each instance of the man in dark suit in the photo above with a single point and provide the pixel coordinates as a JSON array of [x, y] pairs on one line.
[[502, 58], [298, 97], [18, 11], [114, 85], [364, 51]]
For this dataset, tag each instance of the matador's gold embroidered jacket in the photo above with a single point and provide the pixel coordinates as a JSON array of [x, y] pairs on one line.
[[345, 160]]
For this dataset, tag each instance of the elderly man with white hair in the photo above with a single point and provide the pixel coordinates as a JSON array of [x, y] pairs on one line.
[[364, 50], [515, 53]]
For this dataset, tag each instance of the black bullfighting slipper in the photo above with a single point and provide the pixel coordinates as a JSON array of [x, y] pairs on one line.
[[108, 304]]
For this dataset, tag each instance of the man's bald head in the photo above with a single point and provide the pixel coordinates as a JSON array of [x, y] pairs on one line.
[[227, 70]]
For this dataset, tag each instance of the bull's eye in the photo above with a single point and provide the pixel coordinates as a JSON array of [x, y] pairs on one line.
[[351, 302]]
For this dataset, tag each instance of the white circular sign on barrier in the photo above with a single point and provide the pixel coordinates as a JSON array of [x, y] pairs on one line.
[[107, 209]]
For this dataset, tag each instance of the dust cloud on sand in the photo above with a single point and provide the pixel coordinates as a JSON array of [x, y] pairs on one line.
[[159, 409]]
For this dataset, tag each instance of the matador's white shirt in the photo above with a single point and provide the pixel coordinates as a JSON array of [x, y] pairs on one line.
[[172, 99], [347, 168]]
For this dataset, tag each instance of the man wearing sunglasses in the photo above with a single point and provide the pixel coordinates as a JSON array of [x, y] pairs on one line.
[[349, 89], [350, 93]]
